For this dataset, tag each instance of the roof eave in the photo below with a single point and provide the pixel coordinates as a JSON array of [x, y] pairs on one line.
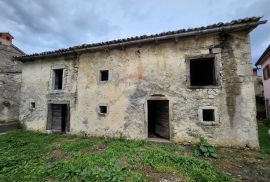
[[250, 26], [260, 60]]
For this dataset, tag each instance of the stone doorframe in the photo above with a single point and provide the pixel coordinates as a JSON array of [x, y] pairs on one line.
[[48, 126], [158, 97]]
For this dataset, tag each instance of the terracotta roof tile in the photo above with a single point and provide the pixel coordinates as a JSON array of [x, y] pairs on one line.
[[159, 35]]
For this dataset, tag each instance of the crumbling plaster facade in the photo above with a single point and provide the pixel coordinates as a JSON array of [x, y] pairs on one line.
[[149, 71]]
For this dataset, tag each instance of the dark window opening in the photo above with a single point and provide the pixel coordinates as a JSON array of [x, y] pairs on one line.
[[58, 79], [158, 119], [103, 109], [58, 117], [33, 105], [104, 75], [6, 103], [202, 72], [266, 72], [208, 115]]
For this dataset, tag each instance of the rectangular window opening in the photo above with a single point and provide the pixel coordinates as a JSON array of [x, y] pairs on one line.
[[208, 115], [103, 109], [266, 72], [58, 79], [104, 75], [202, 72]]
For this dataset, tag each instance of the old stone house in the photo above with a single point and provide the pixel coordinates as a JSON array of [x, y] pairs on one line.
[[10, 82], [177, 85]]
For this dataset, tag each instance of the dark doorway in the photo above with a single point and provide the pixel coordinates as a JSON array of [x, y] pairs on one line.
[[158, 119], [58, 117]]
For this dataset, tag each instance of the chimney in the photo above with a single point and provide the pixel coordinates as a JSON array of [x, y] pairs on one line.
[[6, 38]]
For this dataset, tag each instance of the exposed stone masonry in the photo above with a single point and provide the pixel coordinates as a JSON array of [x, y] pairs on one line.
[[10, 83]]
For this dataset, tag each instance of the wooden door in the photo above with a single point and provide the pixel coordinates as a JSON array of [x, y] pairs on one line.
[[162, 118], [57, 117]]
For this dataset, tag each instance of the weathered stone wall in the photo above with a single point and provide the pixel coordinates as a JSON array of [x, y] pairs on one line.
[[10, 82], [143, 72], [36, 87]]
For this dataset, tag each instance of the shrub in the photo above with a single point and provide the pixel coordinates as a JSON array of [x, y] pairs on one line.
[[260, 99], [203, 148]]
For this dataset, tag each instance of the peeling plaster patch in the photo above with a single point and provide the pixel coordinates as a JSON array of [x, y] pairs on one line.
[[85, 122], [139, 93], [193, 133]]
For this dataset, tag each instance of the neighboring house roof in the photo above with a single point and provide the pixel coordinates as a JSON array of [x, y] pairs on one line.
[[246, 23], [19, 50], [7, 65], [263, 57]]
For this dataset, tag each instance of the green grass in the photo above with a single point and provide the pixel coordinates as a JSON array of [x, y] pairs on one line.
[[264, 138], [31, 156]]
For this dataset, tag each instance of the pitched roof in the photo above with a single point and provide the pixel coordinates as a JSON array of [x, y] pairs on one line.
[[265, 53], [249, 23]]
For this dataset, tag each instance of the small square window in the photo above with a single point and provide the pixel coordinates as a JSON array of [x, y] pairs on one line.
[[103, 109], [104, 75], [208, 114], [32, 105]]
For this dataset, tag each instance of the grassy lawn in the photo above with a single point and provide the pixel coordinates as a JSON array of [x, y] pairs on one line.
[[264, 138], [30, 156]]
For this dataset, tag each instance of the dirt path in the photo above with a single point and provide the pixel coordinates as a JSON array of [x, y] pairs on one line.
[[244, 165]]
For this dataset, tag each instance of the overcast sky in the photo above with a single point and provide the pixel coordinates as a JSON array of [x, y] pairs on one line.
[[43, 25]]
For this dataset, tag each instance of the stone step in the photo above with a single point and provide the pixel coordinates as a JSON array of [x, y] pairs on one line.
[[8, 126]]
